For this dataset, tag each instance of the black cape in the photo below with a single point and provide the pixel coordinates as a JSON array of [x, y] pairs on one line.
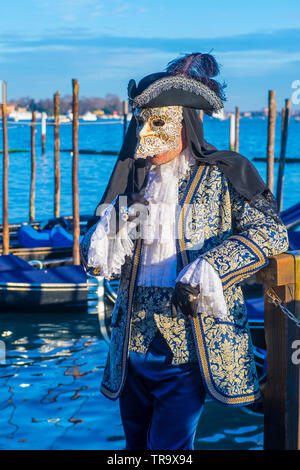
[[129, 174]]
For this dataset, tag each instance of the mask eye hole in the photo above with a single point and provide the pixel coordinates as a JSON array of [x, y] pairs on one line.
[[158, 122]]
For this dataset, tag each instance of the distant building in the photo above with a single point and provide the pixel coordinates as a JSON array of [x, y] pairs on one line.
[[21, 109], [10, 108]]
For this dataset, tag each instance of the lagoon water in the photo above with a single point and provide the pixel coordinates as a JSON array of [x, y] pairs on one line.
[[50, 376]]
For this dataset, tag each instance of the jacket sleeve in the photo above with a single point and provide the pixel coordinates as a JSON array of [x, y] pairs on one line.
[[257, 233]]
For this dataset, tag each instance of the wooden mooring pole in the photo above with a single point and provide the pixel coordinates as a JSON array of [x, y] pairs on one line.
[[76, 225], [56, 156], [125, 114], [282, 120], [5, 233], [271, 139], [43, 131], [232, 132], [33, 170], [237, 128], [280, 180], [282, 389]]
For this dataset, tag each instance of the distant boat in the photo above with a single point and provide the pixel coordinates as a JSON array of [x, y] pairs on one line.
[[22, 116], [62, 119], [117, 117], [89, 116]]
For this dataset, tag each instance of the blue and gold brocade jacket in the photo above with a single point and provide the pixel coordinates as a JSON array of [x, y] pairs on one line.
[[238, 239]]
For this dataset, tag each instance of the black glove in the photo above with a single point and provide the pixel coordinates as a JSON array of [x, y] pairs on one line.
[[185, 297]]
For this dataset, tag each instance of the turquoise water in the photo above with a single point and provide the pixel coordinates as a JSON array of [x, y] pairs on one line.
[[49, 382]]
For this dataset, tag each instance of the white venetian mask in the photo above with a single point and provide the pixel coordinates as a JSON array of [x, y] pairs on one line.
[[158, 130]]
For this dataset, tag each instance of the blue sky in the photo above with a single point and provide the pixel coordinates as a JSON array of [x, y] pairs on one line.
[[104, 43]]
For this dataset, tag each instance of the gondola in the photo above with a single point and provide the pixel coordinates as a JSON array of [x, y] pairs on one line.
[[44, 240], [26, 288]]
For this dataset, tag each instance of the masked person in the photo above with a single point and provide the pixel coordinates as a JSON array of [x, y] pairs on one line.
[[182, 224]]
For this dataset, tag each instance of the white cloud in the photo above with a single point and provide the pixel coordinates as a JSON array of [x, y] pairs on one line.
[[71, 10], [45, 47], [122, 8], [256, 62]]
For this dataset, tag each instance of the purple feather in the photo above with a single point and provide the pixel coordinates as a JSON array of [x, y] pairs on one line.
[[199, 67], [194, 66]]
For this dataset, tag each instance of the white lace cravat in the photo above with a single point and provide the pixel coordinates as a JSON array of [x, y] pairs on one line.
[[159, 260]]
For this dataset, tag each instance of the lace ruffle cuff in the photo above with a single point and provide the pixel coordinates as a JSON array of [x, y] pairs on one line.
[[211, 298], [108, 253]]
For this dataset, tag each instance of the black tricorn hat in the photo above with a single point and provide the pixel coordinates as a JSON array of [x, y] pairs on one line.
[[186, 82]]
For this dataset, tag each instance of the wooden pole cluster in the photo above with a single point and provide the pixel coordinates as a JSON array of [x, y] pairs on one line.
[[271, 139], [33, 170], [76, 224], [76, 219], [282, 335], [284, 136], [5, 234], [56, 156]]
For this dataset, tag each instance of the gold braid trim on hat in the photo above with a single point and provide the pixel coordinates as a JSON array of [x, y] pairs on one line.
[[181, 83]]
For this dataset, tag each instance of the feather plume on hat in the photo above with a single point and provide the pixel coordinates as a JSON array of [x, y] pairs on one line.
[[199, 67]]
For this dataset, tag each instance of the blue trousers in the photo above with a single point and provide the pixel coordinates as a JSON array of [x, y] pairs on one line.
[[161, 403]]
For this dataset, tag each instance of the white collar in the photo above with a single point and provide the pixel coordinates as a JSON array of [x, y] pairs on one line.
[[162, 185]]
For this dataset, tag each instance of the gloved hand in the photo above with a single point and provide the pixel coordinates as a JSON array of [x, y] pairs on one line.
[[185, 297], [128, 201], [127, 208]]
